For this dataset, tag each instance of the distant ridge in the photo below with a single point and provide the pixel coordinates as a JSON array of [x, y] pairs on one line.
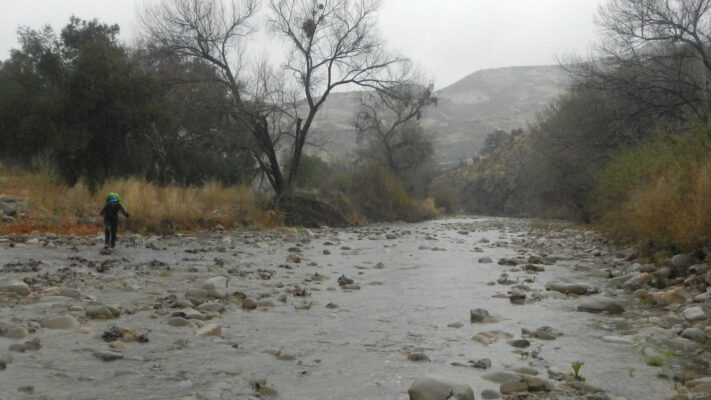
[[467, 110]]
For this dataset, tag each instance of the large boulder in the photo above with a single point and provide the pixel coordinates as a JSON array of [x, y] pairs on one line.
[[437, 387], [680, 263]]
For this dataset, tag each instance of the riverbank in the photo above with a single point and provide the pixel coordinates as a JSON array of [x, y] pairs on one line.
[[357, 313]]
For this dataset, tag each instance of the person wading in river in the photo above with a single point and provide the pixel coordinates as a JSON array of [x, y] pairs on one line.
[[111, 218]]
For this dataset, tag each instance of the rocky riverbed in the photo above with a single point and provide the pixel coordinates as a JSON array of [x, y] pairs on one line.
[[459, 308]]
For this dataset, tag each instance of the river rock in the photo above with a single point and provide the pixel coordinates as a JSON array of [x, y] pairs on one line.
[[580, 289], [212, 307], [18, 288], [543, 333], [485, 260], [190, 313], [520, 343], [196, 295], [695, 313], [216, 287], [249, 304], [209, 330], [680, 263], [99, 311], [672, 296], [436, 387], [487, 338], [61, 322], [695, 334], [500, 377], [513, 387], [517, 297], [108, 355], [489, 394], [479, 315], [179, 321], [601, 305], [617, 339], [69, 292], [10, 331], [638, 281]]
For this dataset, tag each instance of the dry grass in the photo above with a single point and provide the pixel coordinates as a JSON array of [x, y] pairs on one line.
[[63, 209], [672, 210]]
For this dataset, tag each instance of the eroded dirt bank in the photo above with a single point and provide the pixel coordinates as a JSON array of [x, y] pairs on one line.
[[505, 306]]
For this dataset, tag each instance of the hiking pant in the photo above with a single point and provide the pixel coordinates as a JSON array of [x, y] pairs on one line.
[[110, 228]]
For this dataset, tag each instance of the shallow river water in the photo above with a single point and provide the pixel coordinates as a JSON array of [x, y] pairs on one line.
[[356, 348]]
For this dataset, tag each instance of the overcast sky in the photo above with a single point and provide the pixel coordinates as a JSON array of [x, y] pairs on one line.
[[449, 39]]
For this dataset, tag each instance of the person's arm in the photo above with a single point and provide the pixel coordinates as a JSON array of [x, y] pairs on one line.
[[123, 211], [104, 210]]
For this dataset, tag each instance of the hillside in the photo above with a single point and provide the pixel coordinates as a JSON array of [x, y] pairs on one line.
[[467, 110]]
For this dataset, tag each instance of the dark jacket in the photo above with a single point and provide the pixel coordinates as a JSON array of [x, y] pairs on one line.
[[111, 211]]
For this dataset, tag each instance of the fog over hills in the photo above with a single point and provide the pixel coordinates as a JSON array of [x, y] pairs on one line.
[[468, 110]]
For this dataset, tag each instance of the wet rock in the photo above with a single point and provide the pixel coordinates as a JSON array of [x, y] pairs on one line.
[[681, 262], [455, 325], [517, 297], [695, 334], [115, 333], [487, 338], [17, 288], [500, 377], [10, 331], [513, 387], [485, 260], [61, 322], [519, 343], [508, 261], [108, 355], [417, 357], [483, 363], [667, 297], [437, 387], [600, 306], [695, 313], [638, 281], [213, 307], [117, 345], [533, 268], [179, 321], [196, 295], [543, 333], [249, 304], [480, 315], [33, 344], [100, 311], [216, 287], [293, 258], [344, 280], [580, 289], [209, 330]]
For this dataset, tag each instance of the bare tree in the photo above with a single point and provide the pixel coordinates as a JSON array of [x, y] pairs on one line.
[[387, 123], [334, 43], [655, 52]]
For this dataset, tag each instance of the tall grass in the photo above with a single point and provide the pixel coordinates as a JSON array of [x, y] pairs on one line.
[[60, 208], [659, 194]]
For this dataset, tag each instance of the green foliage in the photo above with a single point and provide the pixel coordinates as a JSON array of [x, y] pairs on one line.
[[313, 172], [655, 362], [576, 370]]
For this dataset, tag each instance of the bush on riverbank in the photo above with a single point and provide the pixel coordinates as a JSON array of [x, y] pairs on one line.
[[658, 194]]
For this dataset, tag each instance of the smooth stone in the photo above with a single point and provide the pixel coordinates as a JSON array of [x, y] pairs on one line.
[[193, 314], [485, 260], [667, 297], [513, 387], [695, 313], [108, 355], [437, 387], [455, 325], [601, 305], [519, 343], [61, 322], [249, 304], [15, 288], [209, 330], [196, 293], [98, 311], [695, 334], [216, 287], [11, 331], [580, 289], [638, 281], [69, 292], [500, 377], [179, 321], [479, 315], [211, 307]]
